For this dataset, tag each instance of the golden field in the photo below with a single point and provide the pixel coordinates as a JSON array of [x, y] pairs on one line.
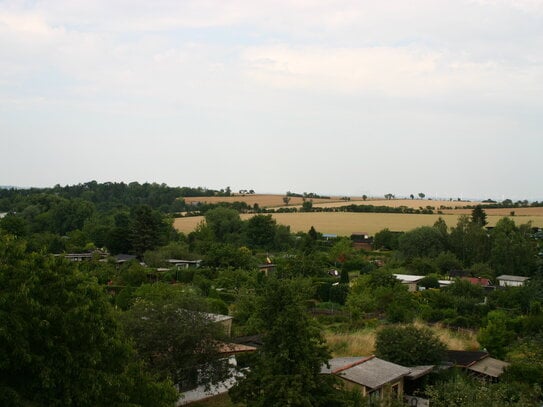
[[276, 200], [346, 223]]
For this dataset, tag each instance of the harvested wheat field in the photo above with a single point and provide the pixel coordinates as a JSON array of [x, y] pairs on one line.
[[346, 223], [396, 203], [276, 200], [263, 200], [518, 212]]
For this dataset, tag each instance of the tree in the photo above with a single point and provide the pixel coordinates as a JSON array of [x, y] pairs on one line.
[[60, 340], [421, 195], [260, 231], [409, 345], [495, 336], [286, 199], [424, 241], [385, 239], [225, 224], [307, 205], [175, 337], [287, 367], [147, 229], [364, 197], [412, 196], [512, 249], [478, 216]]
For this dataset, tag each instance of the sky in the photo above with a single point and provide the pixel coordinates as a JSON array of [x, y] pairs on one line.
[[333, 97]]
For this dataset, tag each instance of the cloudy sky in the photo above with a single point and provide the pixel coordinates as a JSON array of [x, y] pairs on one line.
[[334, 97]]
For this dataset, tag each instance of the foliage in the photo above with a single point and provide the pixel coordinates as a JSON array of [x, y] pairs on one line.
[[287, 367], [496, 336], [462, 391], [61, 344], [175, 338], [385, 239], [424, 241], [409, 345]]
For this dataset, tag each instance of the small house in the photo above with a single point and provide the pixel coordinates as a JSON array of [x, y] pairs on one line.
[[372, 376], [506, 280], [362, 241], [410, 281], [185, 264]]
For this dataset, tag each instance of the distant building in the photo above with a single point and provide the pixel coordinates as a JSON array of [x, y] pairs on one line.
[[362, 241], [506, 280], [185, 264], [409, 280]]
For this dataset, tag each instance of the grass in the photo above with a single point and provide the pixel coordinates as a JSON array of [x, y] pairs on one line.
[[362, 342]]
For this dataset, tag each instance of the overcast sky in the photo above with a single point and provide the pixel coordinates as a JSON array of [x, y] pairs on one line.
[[334, 97]]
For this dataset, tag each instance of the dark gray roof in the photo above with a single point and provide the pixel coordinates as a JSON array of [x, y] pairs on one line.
[[337, 363], [489, 366], [419, 371], [371, 372]]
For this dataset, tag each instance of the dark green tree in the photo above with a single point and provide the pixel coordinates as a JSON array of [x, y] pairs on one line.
[[225, 224], [60, 340], [260, 231], [175, 337], [385, 239], [409, 345], [287, 367], [478, 216], [423, 241], [148, 229]]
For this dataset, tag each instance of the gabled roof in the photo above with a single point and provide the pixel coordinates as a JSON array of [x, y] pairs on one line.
[[370, 371]]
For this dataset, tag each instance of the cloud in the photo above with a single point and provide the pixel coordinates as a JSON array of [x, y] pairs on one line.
[[398, 72]]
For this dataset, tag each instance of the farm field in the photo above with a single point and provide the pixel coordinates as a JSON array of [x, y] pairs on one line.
[[276, 200], [263, 200], [346, 223]]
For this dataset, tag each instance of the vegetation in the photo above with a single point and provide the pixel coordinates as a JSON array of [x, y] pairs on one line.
[[114, 331]]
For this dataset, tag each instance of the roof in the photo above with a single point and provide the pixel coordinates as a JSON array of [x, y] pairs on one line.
[[120, 258], [370, 371], [489, 366], [477, 281], [465, 358], [419, 371], [408, 278], [235, 348], [512, 278], [337, 363], [217, 317], [176, 261]]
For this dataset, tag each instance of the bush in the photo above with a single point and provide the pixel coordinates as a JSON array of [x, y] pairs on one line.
[[409, 345]]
